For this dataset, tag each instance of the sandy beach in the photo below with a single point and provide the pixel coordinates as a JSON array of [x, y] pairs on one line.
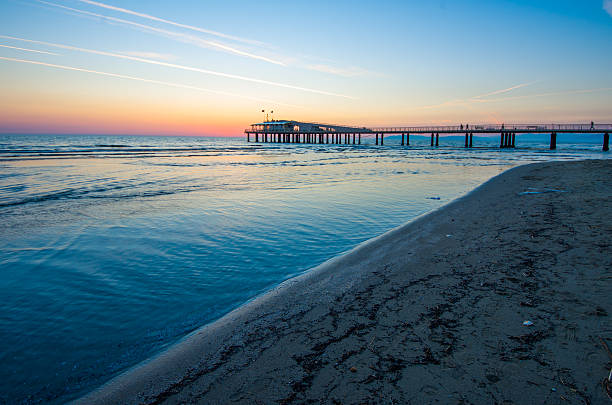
[[502, 296]]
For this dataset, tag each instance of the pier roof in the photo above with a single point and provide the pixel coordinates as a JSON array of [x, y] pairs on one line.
[[277, 122]]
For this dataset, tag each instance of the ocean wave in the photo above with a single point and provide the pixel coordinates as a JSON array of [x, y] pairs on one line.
[[101, 193]]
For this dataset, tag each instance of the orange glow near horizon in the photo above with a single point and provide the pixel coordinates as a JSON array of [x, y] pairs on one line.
[[78, 114]]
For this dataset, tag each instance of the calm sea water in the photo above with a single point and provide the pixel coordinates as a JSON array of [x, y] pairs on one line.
[[112, 248]]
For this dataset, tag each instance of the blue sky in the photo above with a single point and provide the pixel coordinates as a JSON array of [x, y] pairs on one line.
[[193, 67]]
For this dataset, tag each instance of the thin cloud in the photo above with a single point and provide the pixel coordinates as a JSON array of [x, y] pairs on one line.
[[345, 72], [141, 79], [197, 41], [200, 42], [176, 24], [29, 50], [172, 34], [150, 55], [607, 6], [181, 67]]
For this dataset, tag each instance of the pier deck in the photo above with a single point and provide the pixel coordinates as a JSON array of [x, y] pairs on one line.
[[303, 132]]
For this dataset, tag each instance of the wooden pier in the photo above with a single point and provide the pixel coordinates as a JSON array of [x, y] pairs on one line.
[[307, 132]]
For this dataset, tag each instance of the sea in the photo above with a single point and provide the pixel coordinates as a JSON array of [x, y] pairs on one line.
[[112, 248]]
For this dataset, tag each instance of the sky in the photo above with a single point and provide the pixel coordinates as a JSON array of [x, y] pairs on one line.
[[193, 67]]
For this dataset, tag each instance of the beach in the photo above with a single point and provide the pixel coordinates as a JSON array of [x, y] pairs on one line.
[[500, 296]]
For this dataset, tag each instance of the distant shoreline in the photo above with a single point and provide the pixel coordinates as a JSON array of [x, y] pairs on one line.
[[431, 310]]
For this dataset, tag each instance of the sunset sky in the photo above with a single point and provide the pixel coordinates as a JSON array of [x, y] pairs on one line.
[[190, 67]]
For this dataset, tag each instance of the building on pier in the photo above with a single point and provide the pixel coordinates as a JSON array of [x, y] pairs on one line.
[[284, 131], [276, 126]]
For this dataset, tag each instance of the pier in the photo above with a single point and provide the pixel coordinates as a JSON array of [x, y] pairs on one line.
[[286, 131]]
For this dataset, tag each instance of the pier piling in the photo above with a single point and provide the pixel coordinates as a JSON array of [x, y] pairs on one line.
[[432, 139], [437, 139], [553, 141], [471, 136], [377, 138], [407, 138], [382, 139], [606, 143], [402, 139], [466, 140]]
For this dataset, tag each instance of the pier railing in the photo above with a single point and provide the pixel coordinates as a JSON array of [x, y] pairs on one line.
[[494, 128]]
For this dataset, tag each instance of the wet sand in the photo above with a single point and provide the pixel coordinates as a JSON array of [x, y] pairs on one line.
[[432, 311]]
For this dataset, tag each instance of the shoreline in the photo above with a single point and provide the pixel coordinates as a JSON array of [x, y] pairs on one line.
[[336, 327]]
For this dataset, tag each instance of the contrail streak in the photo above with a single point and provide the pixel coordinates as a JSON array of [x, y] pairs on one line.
[[176, 35], [477, 99], [468, 102], [518, 86], [556, 93], [140, 79], [29, 50], [181, 67], [189, 27]]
